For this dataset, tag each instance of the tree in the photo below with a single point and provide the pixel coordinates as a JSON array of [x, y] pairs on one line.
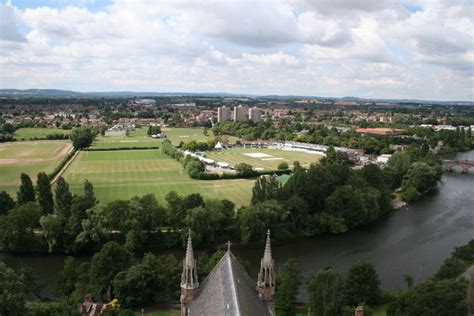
[[26, 192], [205, 223], [325, 289], [12, 292], [175, 209], [67, 278], [420, 177], [16, 228], [152, 130], [288, 282], [330, 154], [254, 220], [347, 202], [374, 176], [244, 170], [89, 194], [63, 198], [445, 297], [6, 203], [53, 229], [105, 264], [44, 193], [195, 168], [82, 137], [138, 285], [362, 285], [265, 188], [283, 166]]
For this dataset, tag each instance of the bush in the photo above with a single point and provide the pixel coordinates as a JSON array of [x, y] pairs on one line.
[[410, 194], [54, 308], [61, 164], [283, 166], [245, 170]]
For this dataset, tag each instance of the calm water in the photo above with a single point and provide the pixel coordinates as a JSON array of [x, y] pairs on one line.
[[414, 240]]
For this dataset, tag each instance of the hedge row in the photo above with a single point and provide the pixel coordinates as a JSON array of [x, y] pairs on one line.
[[61, 164], [121, 148], [227, 176]]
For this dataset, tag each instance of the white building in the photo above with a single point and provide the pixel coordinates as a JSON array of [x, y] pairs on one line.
[[255, 115], [383, 159], [223, 114], [239, 113]]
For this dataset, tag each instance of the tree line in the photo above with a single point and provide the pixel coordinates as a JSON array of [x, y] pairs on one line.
[[115, 274], [454, 140], [330, 294], [327, 198]]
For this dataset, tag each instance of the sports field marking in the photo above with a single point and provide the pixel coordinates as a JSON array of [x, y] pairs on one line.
[[273, 158], [258, 155]]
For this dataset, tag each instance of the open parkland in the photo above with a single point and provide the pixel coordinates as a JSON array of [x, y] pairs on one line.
[[123, 173]]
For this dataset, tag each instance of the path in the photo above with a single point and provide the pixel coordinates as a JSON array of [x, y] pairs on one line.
[[65, 167]]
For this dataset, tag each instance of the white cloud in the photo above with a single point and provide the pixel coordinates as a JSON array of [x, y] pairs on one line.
[[8, 24], [375, 48]]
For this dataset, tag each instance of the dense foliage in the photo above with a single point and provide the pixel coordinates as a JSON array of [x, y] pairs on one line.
[[82, 137], [288, 280], [443, 298], [332, 295]]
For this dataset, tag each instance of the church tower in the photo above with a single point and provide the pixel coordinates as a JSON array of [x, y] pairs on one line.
[[189, 279], [266, 277]]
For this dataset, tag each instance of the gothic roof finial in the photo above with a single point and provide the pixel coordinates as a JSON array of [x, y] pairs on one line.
[[228, 245], [267, 255], [189, 278], [189, 261]]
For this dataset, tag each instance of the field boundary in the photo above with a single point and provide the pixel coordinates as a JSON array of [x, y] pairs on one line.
[[65, 164], [122, 148]]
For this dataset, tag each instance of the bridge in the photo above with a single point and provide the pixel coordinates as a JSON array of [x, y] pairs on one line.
[[464, 164]]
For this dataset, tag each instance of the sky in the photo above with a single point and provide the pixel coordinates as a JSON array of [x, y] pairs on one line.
[[421, 49]]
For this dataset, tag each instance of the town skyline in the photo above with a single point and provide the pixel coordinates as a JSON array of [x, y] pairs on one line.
[[369, 49]]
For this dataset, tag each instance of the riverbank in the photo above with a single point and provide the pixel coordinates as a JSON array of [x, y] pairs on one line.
[[414, 242], [397, 201]]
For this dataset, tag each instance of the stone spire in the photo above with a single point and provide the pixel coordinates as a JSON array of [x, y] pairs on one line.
[[267, 255], [189, 278], [266, 276]]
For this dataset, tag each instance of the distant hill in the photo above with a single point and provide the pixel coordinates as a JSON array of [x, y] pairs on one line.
[[130, 94]]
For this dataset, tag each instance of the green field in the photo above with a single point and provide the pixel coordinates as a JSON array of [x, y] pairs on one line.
[[380, 310], [29, 157], [124, 174], [29, 133], [270, 162], [139, 138]]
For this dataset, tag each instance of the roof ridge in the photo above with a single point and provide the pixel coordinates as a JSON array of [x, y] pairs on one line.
[[212, 272]]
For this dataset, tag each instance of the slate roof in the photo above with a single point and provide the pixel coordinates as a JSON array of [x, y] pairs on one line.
[[228, 290]]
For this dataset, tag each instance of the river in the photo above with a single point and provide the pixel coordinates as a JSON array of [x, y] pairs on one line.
[[413, 240]]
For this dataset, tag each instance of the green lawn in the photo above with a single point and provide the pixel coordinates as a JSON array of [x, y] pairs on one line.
[[177, 135], [271, 162], [139, 138], [380, 310], [29, 157], [124, 174], [29, 133]]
